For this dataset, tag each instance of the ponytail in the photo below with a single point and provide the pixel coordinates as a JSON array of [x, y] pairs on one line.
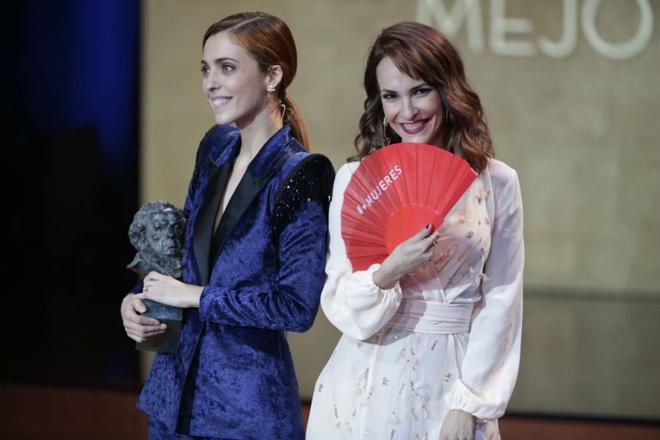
[[293, 117]]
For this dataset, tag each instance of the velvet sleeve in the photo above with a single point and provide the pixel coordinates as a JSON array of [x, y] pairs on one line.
[[290, 300], [490, 366]]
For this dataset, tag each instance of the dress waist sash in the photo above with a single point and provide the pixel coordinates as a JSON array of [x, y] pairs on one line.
[[432, 317]]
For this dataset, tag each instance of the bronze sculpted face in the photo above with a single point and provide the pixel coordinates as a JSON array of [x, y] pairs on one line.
[[164, 230], [157, 235]]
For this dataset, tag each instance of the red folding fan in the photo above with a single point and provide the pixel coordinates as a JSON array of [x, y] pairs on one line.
[[394, 193]]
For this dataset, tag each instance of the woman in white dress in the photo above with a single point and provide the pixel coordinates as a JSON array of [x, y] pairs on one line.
[[431, 337]]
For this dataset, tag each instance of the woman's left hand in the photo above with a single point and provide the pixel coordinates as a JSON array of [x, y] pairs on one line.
[[167, 290], [458, 425]]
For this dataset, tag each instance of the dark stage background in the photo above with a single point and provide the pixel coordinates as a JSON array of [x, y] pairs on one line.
[[70, 113]]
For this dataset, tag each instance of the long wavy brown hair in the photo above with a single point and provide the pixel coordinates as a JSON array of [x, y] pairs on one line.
[[422, 52], [270, 42]]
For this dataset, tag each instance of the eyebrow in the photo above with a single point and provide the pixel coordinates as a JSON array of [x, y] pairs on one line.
[[412, 89], [221, 60]]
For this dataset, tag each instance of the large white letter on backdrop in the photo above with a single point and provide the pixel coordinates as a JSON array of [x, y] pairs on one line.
[[567, 44], [449, 22], [500, 25], [623, 50]]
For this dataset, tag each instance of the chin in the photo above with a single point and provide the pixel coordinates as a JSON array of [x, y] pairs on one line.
[[224, 116], [420, 138], [223, 120], [427, 136]]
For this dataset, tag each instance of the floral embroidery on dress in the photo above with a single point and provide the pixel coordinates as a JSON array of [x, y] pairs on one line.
[[398, 384]]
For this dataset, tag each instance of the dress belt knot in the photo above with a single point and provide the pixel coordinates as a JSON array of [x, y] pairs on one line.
[[432, 317]]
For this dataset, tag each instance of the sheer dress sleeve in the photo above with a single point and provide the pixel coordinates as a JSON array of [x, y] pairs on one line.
[[350, 299]]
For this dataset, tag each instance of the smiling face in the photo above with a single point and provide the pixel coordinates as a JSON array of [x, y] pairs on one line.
[[411, 106], [232, 82]]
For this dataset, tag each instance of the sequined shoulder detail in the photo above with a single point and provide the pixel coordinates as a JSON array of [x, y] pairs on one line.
[[310, 180]]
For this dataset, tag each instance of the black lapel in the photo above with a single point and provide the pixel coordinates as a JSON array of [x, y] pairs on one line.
[[217, 183], [248, 189]]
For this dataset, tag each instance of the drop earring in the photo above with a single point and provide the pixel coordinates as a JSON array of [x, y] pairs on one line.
[[386, 138]]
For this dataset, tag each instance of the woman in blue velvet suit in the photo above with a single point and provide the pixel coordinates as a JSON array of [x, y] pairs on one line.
[[254, 250]]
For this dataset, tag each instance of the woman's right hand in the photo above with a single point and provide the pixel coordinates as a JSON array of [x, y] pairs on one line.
[[406, 257], [138, 327]]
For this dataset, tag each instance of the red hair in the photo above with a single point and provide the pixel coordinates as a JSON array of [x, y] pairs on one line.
[[422, 52]]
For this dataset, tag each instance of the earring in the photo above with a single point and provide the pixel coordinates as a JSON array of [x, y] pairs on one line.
[[270, 88], [386, 138], [283, 109]]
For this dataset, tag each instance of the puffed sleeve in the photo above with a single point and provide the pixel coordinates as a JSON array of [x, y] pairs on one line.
[[490, 366], [290, 300], [351, 300]]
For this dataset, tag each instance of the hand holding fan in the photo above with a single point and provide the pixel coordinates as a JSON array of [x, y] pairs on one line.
[[394, 193]]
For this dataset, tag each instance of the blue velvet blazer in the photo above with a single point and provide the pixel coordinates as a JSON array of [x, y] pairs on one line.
[[232, 376]]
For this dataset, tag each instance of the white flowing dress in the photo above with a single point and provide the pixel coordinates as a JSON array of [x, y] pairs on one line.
[[445, 337]]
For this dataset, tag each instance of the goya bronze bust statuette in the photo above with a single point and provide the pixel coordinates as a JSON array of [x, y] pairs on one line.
[[157, 234]]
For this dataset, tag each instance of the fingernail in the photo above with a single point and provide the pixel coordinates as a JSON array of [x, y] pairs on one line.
[[428, 226]]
